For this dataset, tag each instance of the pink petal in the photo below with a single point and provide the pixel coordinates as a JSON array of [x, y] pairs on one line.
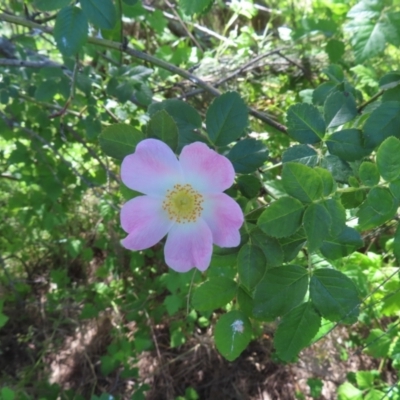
[[206, 170], [224, 217], [189, 246], [145, 222], [152, 169]]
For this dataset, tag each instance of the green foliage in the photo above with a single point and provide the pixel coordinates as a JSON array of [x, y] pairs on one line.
[[226, 119], [70, 30], [119, 140], [247, 155], [101, 14], [282, 289], [320, 245], [232, 334], [162, 126], [296, 331]]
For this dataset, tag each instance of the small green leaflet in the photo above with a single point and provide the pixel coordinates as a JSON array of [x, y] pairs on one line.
[[317, 222], [282, 218], [51, 5], [100, 13], [369, 174], [388, 159], [305, 123], [339, 108], [334, 295], [296, 331], [375, 132], [301, 182], [379, 207], [270, 246], [119, 140], [232, 334], [191, 7], [162, 126], [301, 153], [214, 293], [226, 119], [281, 289], [70, 30], [251, 265], [186, 118], [348, 144], [247, 155]]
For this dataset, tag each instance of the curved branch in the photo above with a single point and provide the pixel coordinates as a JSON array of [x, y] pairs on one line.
[[147, 58]]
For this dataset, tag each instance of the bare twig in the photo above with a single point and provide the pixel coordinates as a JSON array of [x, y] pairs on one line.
[[30, 64], [192, 38]]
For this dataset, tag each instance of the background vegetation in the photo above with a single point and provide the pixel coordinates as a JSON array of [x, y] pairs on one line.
[[316, 99]]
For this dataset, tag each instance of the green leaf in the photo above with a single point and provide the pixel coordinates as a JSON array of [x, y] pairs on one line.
[[7, 394], [305, 123], [377, 343], [301, 153], [251, 265], [335, 73], [249, 186], [339, 108], [296, 331], [215, 293], [46, 90], [338, 215], [367, 38], [292, 245], [390, 80], [162, 126], [340, 170], [383, 122], [394, 188], [368, 9], [247, 155], [342, 245], [335, 50], [348, 144], [119, 140], [226, 119], [347, 391], [282, 218], [334, 295], [301, 182], [321, 93], [365, 379], [328, 183], [186, 118], [369, 174], [396, 244], [232, 334], [70, 30], [378, 207], [100, 13], [281, 289], [270, 246], [317, 222], [388, 159], [191, 7], [245, 301], [50, 5]]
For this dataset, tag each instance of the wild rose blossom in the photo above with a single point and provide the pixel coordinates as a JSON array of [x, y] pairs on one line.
[[182, 198]]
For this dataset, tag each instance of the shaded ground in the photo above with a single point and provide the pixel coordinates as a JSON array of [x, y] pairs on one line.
[[71, 356]]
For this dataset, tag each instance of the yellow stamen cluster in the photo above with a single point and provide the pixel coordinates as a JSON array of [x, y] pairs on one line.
[[183, 204]]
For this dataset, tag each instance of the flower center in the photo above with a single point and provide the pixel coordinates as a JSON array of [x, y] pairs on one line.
[[183, 204]]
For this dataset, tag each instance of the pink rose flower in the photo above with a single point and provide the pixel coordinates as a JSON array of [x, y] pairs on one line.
[[182, 198]]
